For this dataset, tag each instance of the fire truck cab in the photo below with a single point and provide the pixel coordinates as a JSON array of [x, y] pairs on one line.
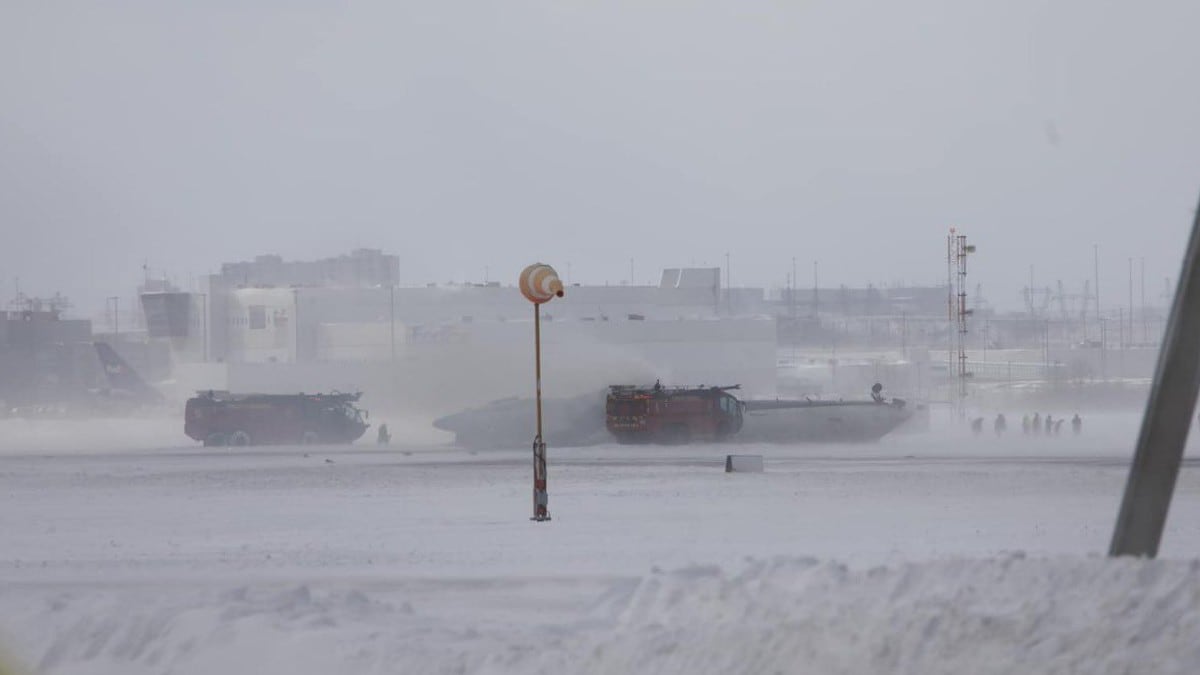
[[673, 415]]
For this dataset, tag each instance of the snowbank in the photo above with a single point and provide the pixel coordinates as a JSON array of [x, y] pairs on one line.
[[962, 616], [786, 615]]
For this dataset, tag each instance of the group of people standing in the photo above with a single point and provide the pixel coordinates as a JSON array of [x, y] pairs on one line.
[[1049, 425], [1035, 425]]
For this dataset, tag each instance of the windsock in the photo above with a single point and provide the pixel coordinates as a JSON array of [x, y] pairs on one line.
[[540, 283]]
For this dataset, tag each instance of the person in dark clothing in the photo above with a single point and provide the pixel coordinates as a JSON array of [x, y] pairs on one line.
[[1037, 423], [384, 437], [1000, 425], [1076, 424]]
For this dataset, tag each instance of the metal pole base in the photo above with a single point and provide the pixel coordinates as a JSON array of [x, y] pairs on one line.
[[541, 498]]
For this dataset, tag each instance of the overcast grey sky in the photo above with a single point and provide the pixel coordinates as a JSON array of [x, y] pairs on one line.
[[489, 134]]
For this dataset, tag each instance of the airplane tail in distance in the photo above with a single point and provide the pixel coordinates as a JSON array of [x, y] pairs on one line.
[[123, 378]]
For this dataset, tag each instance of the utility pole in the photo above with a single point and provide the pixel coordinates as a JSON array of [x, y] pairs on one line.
[[296, 328], [792, 297], [1103, 351], [1121, 341], [204, 329], [1131, 300], [116, 301], [1145, 328], [728, 286], [1096, 276], [816, 291]]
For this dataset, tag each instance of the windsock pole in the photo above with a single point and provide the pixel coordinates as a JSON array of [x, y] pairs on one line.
[[539, 283], [537, 362], [541, 496]]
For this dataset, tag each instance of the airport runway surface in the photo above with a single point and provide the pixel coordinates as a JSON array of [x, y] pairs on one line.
[[178, 558]]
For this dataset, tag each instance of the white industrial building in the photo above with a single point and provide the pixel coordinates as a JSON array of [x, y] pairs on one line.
[[444, 346]]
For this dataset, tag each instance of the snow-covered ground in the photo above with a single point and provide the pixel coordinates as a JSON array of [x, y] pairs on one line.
[[127, 550]]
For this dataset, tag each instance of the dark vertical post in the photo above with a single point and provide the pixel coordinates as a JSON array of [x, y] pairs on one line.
[[541, 497], [537, 362], [1167, 420], [392, 319]]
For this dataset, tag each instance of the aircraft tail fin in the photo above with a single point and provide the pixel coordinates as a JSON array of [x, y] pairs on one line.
[[122, 377]]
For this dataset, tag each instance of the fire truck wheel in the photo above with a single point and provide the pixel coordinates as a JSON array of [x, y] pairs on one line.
[[309, 438], [239, 438], [215, 440]]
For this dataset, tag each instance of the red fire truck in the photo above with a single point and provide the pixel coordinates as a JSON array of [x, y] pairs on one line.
[[222, 418], [661, 414]]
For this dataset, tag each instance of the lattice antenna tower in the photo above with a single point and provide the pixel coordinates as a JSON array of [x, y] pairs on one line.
[[957, 251]]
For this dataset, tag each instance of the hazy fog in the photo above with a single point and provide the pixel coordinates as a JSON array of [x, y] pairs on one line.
[[487, 135]]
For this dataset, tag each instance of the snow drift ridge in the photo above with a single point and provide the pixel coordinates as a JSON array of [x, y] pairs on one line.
[[786, 615], [955, 616]]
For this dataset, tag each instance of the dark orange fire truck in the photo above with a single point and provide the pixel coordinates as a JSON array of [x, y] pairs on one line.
[[661, 414], [222, 418]]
